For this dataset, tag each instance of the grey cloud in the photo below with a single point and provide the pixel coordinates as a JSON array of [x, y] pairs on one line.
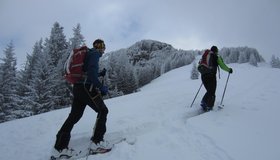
[[185, 24]]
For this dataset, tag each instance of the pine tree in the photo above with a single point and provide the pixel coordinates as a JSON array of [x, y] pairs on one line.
[[121, 73], [241, 55], [57, 44], [243, 58], [8, 83], [63, 90], [57, 48], [43, 85], [194, 72], [275, 62], [253, 60], [144, 74], [2, 114], [78, 39], [233, 57], [26, 76]]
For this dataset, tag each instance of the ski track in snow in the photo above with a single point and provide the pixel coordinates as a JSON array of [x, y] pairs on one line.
[[81, 142], [200, 142], [206, 147]]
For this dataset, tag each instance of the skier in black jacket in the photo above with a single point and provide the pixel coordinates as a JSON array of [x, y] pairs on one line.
[[209, 79]]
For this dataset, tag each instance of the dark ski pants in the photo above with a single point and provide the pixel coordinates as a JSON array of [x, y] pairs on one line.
[[83, 97], [210, 83]]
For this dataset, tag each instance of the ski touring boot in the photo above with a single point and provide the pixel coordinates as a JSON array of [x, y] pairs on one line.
[[100, 148], [66, 153], [205, 106]]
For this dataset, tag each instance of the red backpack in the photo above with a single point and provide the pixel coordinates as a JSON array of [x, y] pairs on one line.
[[74, 65], [205, 64]]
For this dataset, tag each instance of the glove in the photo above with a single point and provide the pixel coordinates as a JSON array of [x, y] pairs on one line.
[[103, 90], [103, 72], [230, 70]]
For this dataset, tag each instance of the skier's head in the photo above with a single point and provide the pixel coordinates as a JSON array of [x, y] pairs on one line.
[[214, 49], [99, 45]]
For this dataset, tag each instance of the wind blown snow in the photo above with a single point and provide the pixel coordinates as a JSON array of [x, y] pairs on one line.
[[164, 126]]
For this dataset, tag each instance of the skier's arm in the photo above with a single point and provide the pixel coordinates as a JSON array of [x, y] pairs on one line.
[[92, 71], [222, 64]]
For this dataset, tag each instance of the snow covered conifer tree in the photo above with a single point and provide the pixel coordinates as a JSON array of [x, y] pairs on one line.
[[26, 76], [78, 39], [2, 114], [275, 62], [56, 47], [57, 44], [194, 72], [43, 84], [253, 60], [121, 73], [241, 55], [8, 83], [243, 58]]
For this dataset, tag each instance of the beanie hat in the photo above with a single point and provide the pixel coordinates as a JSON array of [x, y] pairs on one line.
[[99, 44], [214, 49]]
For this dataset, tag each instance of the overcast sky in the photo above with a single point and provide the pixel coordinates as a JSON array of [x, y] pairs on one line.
[[185, 24]]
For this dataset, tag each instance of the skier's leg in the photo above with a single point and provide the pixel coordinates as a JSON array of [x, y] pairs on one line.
[[211, 91], [62, 141], [97, 104], [77, 109], [205, 81], [100, 127]]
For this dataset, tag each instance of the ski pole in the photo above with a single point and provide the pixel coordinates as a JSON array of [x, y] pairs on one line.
[[221, 105], [196, 95]]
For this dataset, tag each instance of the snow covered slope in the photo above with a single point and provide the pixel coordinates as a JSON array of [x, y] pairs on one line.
[[163, 124]]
